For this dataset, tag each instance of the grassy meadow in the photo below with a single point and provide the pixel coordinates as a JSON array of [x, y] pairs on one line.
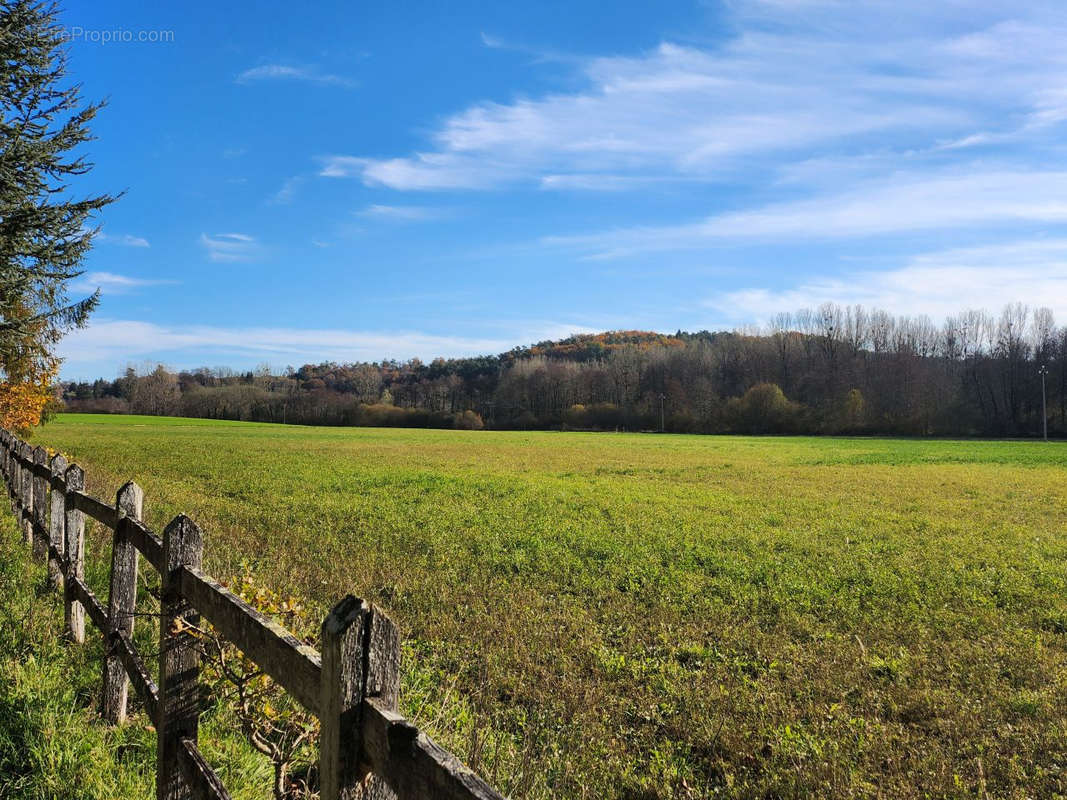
[[642, 616]]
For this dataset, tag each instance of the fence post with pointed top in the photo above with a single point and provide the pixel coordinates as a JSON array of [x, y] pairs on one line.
[[40, 506], [9, 468], [13, 477], [122, 602], [57, 520], [26, 492], [74, 547], [12, 471], [5, 458]]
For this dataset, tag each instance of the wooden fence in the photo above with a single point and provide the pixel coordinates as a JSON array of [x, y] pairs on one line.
[[366, 749]]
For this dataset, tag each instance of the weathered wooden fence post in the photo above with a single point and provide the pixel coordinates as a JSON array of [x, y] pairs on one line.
[[383, 681], [122, 602], [360, 659], [12, 468], [56, 520], [40, 505], [74, 547], [342, 643], [5, 458], [179, 659], [12, 471], [14, 479], [9, 471], [26, 492], [9, 481], [13, 474], [20, 485]]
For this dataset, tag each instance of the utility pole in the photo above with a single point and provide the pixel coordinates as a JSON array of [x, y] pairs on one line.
[[1044, 415], [662, 419]]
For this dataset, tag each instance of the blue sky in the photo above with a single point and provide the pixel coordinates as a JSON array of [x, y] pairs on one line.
[[357, 181]]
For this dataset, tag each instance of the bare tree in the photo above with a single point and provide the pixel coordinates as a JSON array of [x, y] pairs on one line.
[[156, 393]]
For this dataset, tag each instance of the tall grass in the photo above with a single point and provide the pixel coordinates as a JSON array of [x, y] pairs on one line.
[[53, 745]]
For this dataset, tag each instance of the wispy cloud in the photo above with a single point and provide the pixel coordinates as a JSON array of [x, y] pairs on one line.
[[342, 166], [124, 240], [597, 182], [230, 247], [288, 72], [537, 54], [400, 213], [494, 42], [815, 83], [900, 203], [285, 194], [425, 171], [112, 283], [936, 284]]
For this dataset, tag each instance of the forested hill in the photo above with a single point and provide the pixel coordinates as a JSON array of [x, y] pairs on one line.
[[594, 346], [828, 370]]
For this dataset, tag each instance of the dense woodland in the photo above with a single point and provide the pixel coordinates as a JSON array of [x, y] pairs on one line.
[[828, 370]]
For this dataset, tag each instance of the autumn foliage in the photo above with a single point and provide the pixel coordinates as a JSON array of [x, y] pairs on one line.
[[23, 404], [29, 374]]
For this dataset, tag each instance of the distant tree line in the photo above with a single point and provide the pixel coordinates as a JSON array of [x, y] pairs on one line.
[[832, 369]]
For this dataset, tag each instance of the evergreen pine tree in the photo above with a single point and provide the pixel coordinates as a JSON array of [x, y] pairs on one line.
[[45, 230]]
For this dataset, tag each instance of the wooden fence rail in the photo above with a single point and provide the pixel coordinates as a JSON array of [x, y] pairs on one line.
[[366, 749]]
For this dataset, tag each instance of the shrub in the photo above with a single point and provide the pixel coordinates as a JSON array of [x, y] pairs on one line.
[[763, 409], [575, 417], [469, 421], [607, 416]]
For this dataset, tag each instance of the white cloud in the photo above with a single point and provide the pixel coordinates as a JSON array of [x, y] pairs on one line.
[[125, 240], [404, 213], [112, 283], [230, 247], [839, 77], [538, 55], [424, 171], [596, 182], [937, 284], [287, 191], [901, 203], [342, 166], [292, 73]]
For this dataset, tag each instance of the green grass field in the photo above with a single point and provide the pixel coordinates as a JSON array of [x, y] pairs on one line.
[[640, 616]]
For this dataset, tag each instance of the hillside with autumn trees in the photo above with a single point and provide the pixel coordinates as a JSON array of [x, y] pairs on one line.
[[829, 370]]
